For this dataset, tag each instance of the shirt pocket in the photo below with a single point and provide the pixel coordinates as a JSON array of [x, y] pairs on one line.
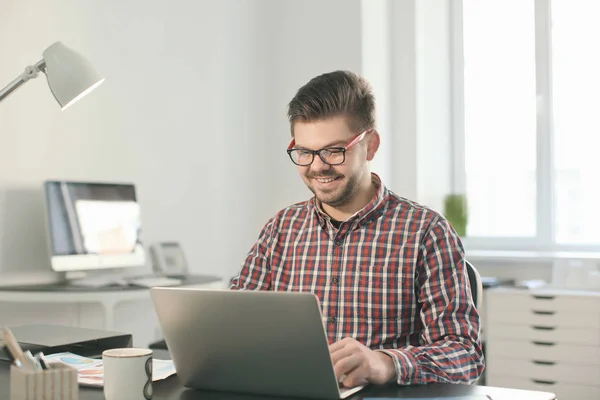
[[379, 297]]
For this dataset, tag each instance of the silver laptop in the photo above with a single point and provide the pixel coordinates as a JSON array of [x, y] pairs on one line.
[[259, 342]]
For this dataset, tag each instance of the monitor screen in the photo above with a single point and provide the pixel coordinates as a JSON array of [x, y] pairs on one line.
[[93, 225]]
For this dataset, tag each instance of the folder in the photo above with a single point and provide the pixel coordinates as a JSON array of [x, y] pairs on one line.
[[51, 339]]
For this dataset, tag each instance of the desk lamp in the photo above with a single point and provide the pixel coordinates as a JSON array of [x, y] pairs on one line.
[[70, 76]]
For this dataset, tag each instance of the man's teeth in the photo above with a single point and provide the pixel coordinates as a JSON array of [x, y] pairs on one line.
[[326, 180]]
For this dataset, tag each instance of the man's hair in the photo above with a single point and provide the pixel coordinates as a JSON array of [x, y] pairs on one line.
[[338, 93]]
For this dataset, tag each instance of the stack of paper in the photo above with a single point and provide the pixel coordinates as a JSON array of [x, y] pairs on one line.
[[90, 371]]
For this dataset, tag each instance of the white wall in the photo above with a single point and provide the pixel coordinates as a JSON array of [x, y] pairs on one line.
[[173, 117], [434, 122], [377, 68], [303, 39], [421, 100], [406, 56]]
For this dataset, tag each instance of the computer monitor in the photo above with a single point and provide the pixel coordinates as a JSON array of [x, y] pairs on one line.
[[93, 225]]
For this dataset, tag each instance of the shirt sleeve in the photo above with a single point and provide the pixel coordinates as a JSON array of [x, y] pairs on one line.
[[255, 273], [450, 350]]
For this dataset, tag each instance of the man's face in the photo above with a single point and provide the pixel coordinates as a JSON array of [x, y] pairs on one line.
[[335, 185]]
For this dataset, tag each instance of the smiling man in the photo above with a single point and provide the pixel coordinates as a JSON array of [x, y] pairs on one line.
[[389, 273]]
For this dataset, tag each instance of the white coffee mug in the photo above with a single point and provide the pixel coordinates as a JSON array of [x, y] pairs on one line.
[[127, 374]]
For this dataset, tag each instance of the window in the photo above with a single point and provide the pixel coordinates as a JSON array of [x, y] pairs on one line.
[[530, 100], [576, 91]]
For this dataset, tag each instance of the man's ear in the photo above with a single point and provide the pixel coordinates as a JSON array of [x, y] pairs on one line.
[[373, 141]]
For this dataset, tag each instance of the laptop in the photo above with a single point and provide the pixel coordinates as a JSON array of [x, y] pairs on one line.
[[259, 342]]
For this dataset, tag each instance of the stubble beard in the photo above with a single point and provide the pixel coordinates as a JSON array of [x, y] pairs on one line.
[[339, 196]]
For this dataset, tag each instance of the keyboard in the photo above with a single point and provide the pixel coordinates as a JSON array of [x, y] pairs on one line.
[[160, 345], [152, 281], [346, 392]]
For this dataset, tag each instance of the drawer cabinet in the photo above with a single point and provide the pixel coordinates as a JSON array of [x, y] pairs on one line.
[[547, 371], [545, 340], [544, 351], [563, 391]]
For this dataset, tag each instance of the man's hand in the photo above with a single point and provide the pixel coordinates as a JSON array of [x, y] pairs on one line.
[[358, 365]]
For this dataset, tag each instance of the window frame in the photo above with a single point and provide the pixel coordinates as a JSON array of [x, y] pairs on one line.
[[544, 240]]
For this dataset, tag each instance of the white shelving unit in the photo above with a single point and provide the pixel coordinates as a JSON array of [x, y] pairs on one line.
[[546, 339], [121, 310]]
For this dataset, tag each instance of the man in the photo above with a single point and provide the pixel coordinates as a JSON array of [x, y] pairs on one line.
[[389, 273]]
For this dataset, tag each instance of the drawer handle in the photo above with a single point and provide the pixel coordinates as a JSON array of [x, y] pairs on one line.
[[538, 381], [544, 312], [543, 362], [542, 343], [543, 328], [542, 297]]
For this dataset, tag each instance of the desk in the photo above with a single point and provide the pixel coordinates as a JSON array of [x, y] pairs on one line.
[[171, 389], [109, 298]]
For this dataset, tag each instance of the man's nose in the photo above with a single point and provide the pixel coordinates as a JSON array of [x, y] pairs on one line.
[[318, 165]]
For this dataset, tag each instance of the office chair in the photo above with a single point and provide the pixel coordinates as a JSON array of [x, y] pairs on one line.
[[477, 294], [476, 285]]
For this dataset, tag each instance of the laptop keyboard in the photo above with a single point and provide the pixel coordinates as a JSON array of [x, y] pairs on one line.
[[345, 392]]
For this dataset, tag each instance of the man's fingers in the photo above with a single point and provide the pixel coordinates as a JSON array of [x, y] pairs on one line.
[[347, 344], [346, 365], [341, 353], [355, 378], [336, 346], [339, 345], [349, 362]]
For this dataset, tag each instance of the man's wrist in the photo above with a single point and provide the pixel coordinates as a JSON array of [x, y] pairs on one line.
[[389, 370]]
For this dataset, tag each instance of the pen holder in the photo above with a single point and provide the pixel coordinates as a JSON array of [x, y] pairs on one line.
[[58, 382]]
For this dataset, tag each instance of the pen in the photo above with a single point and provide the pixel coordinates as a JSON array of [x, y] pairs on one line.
[[10, 357], [15, 350], [33, 361], [13, 346], [40, 357]]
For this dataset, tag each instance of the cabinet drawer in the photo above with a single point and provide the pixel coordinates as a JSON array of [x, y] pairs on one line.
[[563, 391], [543, 351], [556, 372], [516, 300], [505, 316], [561, 335]]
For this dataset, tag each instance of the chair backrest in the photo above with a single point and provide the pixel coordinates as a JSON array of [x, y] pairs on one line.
[[476, 286]]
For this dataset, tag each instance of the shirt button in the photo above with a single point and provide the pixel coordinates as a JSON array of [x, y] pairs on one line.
[[338, 242], [332, 320], [335, 280]]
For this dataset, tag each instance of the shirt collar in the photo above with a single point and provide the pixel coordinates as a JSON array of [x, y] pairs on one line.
[[368, 212]]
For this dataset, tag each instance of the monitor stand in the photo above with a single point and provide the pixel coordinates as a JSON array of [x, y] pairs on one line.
[[94, 279]]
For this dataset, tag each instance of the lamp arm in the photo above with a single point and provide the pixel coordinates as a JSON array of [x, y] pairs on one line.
[[30, 72]]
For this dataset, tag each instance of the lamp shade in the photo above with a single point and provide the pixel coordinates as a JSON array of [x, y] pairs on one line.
[[70, 76]]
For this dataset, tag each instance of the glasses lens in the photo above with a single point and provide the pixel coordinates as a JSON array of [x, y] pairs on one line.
[[332, 156], [301, 157]]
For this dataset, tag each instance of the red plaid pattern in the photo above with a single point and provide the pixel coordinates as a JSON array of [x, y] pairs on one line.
[[392, 277]]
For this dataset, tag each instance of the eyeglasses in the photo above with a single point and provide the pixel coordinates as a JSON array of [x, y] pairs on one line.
[[329, 155]]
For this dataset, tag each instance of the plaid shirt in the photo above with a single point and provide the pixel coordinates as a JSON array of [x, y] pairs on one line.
[[392, 277]]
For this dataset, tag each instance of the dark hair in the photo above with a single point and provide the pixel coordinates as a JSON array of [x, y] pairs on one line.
[[338, 93]]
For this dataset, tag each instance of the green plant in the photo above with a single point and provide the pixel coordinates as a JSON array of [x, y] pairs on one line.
[[455, 210]]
